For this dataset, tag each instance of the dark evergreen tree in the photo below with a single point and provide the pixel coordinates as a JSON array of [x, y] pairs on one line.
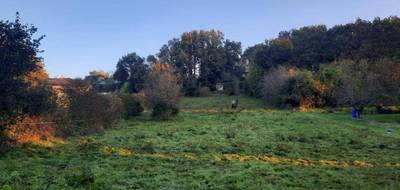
[[132, 69]]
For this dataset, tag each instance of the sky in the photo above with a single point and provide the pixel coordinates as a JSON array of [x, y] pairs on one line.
[[86, 35]]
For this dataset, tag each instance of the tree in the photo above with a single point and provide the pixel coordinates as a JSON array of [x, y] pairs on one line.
[[18, 63], [131, 69], [151, 59], [369, 82], [101, 81], [138, 77], [309, 47], [234, 70], [328, 83], [254, 71], [97, 76], [162, 91], [273, 86], [312, 46], [132, 104], [202, 59]]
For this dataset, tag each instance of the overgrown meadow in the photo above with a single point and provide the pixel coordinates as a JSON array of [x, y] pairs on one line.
[[208, 147]]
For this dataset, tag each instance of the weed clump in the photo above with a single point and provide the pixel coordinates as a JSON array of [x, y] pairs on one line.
[[81, 176], [89, 144], [148, 146]]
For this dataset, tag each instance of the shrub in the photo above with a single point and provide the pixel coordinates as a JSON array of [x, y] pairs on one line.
[[32, 130], [113, 112], [132, 104], [148, 146], [273, 86], [303, 89], [328, 82], [231, 87], [296, 87], [88, 112], [5, 143], [163, 112], [162, 92], [204, 91]]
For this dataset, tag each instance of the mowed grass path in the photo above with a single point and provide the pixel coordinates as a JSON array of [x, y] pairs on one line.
[[252, 149]]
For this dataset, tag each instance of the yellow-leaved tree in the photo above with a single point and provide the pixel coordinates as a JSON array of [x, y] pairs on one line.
[[162, 91]]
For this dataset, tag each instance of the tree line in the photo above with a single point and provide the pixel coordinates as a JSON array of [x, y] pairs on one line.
[[338, 61], [319, 55]]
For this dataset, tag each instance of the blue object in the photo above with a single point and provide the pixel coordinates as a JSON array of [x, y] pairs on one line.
[[389, 130], [354, 114]]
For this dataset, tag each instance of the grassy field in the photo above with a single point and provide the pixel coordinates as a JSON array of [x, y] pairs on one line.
[[217, 101], [205, 149]]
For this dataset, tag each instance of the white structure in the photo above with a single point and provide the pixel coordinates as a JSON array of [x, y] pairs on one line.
[[219, 87]]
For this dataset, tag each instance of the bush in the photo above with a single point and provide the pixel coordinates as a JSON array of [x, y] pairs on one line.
[[296, 87], [88, 112], [5, 143], [113, 112], [273, 86], [162, 92], [303, 89], [148, 146], [164, 112], [328, 82], [32, 130], [204, 91], [132, 104], [231, 88]]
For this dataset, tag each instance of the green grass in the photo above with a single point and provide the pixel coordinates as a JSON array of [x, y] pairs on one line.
[[217, 101], [182, 153]]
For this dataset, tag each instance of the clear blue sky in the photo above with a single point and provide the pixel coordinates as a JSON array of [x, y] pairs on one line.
[[85, 35]]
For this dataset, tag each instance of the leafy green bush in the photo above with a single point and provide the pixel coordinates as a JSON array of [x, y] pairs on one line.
[[164, 112], [132, 104]]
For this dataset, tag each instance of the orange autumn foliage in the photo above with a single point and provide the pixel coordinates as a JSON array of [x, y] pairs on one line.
[[33, 130], [36, 77]]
